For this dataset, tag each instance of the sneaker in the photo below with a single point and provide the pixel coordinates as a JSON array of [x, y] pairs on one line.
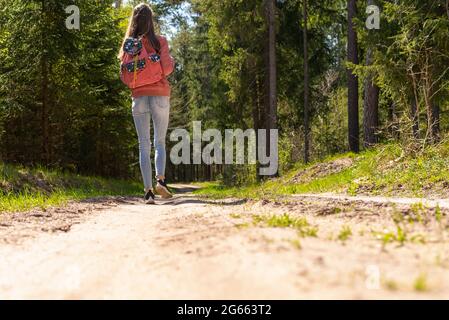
[[162, 189], [149, 197]]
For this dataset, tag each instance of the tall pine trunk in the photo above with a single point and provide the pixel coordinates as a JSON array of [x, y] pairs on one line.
[[44, 91], [432, 109], [415, 119], [306, 86], [271, 119], [353, 94], [370, 108], [370, 103], [435, 123], [257, 102], [371, 114]]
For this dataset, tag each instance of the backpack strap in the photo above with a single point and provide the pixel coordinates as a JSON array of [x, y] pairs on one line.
[[136, 59]]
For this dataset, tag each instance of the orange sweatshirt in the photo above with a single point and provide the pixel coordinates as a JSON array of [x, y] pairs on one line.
[[161, 88]]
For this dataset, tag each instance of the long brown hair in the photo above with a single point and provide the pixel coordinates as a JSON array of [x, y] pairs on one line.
[[141, 24]]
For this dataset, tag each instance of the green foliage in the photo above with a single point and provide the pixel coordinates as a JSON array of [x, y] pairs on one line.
[[61, 102], [381, 171], [22, 188], [411, 61], [221, 76]]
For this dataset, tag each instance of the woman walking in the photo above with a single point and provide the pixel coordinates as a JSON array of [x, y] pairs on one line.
[[146, 63]]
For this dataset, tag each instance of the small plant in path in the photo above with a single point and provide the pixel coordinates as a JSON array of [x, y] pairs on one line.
[[345, 233], [420, 283], [287, 221]]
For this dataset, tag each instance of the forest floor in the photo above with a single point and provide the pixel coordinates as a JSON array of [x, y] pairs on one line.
[[192, 248]]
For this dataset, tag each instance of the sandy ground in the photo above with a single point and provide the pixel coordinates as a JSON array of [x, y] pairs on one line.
[[188, 248]]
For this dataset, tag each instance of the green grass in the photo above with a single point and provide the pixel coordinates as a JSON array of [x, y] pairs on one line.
[[386, 237], [391, 285], [22, 189], [345, 233], [296, 243], [420, 283], [385, 170], [300, 224]]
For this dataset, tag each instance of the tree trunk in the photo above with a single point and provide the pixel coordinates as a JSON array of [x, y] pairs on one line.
[[435, 123], [370, 104], [432, 109], [44, 94], [415, 119], [306, 86], [370, 111], [447, 8], [353, 94], [257, 108], [272, 68], [393, 126], [272, 72]]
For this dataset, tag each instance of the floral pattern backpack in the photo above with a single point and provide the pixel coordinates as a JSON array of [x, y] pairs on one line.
[[139, 67]]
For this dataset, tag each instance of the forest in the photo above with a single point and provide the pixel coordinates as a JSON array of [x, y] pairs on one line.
[[346, 198], [312, 70]]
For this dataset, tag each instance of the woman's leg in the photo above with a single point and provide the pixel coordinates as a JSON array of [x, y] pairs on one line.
[[160, 111], [142, 118]]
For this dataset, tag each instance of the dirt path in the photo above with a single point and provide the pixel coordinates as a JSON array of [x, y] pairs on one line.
[[442, 203], [192, 249]]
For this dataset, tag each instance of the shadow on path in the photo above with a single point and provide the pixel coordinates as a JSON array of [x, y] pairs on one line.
[[184, 188], [183, 195], [181, 200]]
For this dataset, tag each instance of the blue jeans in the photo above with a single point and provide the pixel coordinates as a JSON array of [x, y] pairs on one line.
[[143, 109]]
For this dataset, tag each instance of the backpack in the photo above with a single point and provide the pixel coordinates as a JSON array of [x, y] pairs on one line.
[[139, 67]]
